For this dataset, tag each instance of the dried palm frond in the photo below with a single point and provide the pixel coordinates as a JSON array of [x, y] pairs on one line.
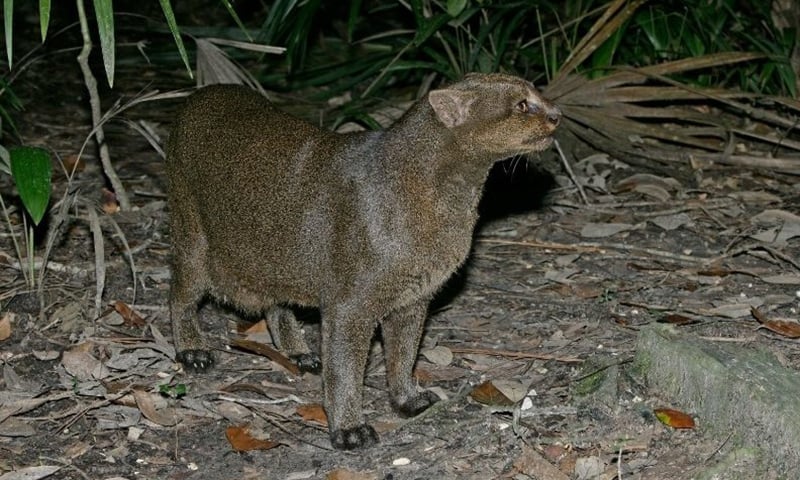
[[643, 116]]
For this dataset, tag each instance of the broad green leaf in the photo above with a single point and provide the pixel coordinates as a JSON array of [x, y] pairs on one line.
[[455, 7], [104, 10], [173, 27], [31, 170], [44, 17], [8, 15], [430, 26]]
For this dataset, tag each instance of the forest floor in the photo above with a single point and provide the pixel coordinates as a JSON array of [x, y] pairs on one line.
[[556, 288]]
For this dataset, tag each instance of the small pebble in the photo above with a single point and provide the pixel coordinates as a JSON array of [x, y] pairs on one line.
[[399, 462]]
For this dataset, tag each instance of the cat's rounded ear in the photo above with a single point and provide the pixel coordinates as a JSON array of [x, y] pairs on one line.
[[452, 106]]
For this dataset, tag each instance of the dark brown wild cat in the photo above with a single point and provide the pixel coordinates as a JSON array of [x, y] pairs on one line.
[[269, 211]]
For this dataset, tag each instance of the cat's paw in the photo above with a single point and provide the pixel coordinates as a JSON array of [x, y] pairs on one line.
[[307, 362], [362, 436], [196, 360], [418, 404]]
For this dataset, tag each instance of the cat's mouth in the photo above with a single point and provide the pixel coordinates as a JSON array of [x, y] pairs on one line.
[[538, 143]]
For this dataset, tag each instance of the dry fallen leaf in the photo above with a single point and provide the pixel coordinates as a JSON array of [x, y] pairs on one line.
[[487, 394], [258, 327], [676, 319], [674, 418], [267, 351], [344, 474], [787, 328], [31, 473], [602, 230], [513, 390], [5, 326], [73, 163], [439, 355], [240, 439], [131, 318], [110, 205], [313, 412], [146, 405]]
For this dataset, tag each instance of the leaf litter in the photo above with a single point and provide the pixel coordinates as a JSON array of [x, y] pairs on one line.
[[713, 252]]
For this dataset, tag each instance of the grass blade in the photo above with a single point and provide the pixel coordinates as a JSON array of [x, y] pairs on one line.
[[8, 23], [104, 10], [235, 17], [44, 17], [176, 34]]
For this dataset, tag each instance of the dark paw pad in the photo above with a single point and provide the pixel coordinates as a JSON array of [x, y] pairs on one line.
[[418, 404], [361, 436], [307, 362], [196, 360]]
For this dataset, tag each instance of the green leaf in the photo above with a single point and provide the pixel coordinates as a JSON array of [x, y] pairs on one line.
[[236, 19], [176, 34], [174, 391], [31, 169], [455, 7], [8, 15], [353, 18], [44, 17], [104, 10], [430, 26]]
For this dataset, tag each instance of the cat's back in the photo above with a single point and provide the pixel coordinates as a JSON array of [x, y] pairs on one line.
[[219, 124]]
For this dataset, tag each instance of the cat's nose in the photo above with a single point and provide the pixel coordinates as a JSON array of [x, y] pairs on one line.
[[553, 116]]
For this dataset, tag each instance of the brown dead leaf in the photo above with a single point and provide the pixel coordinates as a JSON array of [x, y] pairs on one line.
[[587, 290], [674, 418], [313, 412], [73, 163], [786, 328], [146, 404], [715, 271], [258, 327], [344, 474], [676, 319], [5, 326], [129, 316], [240, 439], [267, 351], [109, 201], [533, 464], [488, 394]]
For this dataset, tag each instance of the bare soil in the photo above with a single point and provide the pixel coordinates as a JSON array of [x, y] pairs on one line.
[[555, 291]]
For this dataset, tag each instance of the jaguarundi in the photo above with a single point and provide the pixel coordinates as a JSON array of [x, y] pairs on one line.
[[269, 211]]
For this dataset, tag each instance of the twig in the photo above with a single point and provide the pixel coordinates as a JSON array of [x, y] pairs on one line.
[[512, 354], [571, 174], [258, 401], [99, 259], [94, 103], [601, 247]]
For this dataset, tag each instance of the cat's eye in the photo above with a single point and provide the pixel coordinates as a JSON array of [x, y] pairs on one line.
[[527, 107]]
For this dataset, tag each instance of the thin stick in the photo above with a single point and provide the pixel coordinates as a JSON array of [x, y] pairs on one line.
[[571, 174], [513, 354], [94, 102]]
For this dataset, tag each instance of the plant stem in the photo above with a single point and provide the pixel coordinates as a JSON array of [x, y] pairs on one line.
[[94, 102], [31, 263], [14, 239]]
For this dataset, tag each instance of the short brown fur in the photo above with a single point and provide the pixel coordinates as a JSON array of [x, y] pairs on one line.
[[269, 211]]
